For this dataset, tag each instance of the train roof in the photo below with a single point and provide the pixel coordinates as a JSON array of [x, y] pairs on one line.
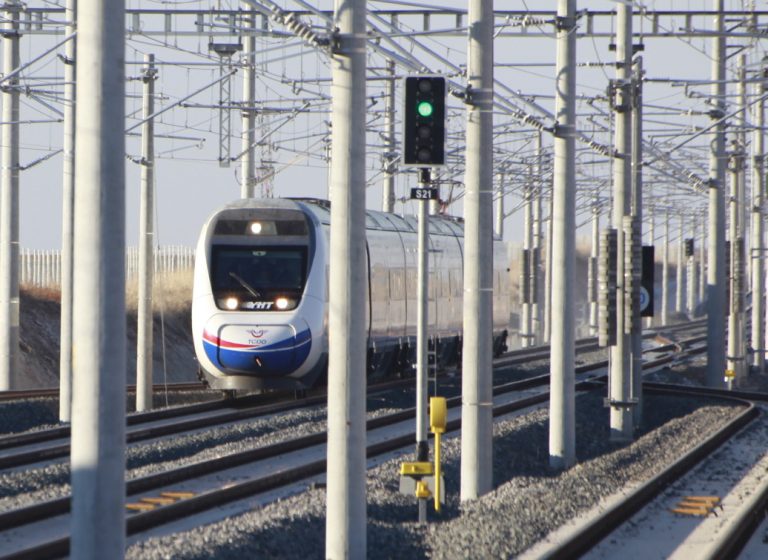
[[439, 224], [321, 209]]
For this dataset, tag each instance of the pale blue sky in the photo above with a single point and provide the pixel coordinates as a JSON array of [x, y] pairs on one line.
[[191, 184]]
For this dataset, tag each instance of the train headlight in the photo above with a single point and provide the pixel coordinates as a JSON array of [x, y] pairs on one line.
[[281, 303], [231, 303], [255, 228]]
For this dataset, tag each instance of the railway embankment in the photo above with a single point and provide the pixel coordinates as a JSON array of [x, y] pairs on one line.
[[40, 322]]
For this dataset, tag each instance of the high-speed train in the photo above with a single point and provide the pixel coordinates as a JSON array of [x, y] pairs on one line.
[[260, 295]]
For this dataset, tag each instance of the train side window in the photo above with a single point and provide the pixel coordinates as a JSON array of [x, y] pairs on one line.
[[379, 284], [411, 281], [432, 285], [445, 288], [396, 284], [456, 282]]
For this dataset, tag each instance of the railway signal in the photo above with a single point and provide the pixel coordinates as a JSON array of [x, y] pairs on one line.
[[424, 121], [689, 247]]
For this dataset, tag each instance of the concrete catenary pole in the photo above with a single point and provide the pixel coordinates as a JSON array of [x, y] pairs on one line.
[[390, 145], [146, 241], [702, 260], [665, 273], [593, 275], [637, 222], [741, 205], [620, 386], [248, 130], [498, 228], [547, 300], [345, 530], [690, 270], [67, 217], [758, 263], [716, 226], [477, 420], [9, 201], [735, 356], [98, 406], [526, 320], [562, 406], [742, 122], [536, 293], [680, 271]]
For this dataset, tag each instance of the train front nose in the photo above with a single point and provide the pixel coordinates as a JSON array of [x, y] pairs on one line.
[[258, 349]]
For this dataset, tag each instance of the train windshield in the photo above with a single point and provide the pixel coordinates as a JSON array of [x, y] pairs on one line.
[[258, 278]]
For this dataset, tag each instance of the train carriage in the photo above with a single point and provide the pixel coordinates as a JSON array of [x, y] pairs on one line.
[[260, 295]]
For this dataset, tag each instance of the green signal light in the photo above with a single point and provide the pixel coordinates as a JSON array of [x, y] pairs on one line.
[[425, 109]]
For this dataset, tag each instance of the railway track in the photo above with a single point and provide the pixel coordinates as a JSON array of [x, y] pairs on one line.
[[514, 356], [200, 500], [45, 445], [51, 392], [731, 528]]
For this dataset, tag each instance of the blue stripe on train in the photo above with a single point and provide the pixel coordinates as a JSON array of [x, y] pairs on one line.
[[280, 358]]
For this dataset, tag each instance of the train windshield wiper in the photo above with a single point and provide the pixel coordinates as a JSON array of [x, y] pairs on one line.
[[255, 293]]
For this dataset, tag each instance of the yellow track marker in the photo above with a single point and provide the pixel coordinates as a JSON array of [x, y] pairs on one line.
[[139, 507], [712, 500], [697, 505], [177, 495], [158, 501], [691, 511]]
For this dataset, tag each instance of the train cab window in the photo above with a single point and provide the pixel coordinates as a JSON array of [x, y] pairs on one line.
[[248, 278]]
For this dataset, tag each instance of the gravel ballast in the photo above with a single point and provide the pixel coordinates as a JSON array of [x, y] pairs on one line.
[[528, 502]]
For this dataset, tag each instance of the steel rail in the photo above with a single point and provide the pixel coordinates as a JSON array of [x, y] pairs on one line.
[[214, 498], [264, 404], [26, 438], [207, 500], [747, 522], [602, 526], [51, 392]]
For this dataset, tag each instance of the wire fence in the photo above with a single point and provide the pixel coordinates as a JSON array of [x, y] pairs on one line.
[[42, 269]]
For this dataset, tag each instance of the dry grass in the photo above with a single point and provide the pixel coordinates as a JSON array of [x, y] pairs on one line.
[[172, 292], [49, 293]]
